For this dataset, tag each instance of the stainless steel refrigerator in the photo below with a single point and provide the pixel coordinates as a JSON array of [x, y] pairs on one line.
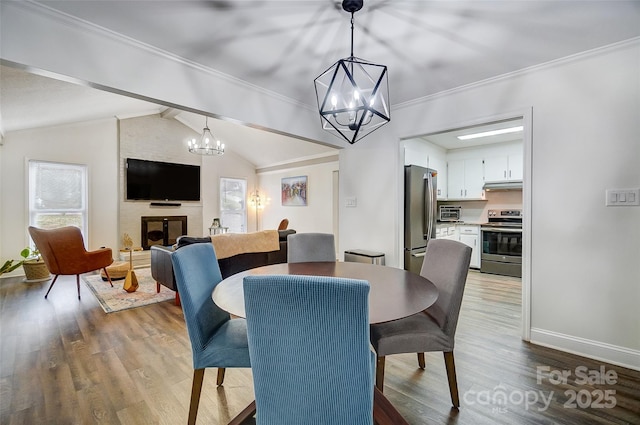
[[420, 198]]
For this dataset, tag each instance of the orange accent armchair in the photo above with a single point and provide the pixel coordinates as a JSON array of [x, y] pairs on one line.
[[284, 224], [63, 252]]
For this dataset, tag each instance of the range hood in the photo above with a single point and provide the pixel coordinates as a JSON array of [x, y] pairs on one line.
[[509, 185]]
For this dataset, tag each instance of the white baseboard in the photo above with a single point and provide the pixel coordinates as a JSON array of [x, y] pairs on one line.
[[596, 350], [19, 272]]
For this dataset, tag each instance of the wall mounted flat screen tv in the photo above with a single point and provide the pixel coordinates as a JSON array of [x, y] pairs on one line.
[[161, 181]]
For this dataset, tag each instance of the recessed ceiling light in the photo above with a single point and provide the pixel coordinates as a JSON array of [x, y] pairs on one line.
[[491, 133]]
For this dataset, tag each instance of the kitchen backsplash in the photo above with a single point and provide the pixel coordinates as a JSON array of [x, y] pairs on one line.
[[476, 211]]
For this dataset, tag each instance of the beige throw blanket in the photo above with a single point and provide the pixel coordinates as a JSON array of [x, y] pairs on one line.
[[230, 244]]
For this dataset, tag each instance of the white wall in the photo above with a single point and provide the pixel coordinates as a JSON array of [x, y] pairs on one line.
[[103, 146], [230, 165], [92, 143], [371, 172], [165, 139], [585, 273], [317, 216]]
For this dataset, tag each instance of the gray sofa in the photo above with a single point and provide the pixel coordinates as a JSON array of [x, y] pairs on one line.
[[162, 268]]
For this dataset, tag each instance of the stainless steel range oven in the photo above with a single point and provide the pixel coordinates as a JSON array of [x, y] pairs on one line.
[[502, 243]]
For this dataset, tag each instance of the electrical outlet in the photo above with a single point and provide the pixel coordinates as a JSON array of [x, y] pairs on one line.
[[622, 197]]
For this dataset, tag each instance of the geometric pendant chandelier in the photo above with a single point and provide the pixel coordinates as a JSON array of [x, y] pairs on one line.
[[353, 94]]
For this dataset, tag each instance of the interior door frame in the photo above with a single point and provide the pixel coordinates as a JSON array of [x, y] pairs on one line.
[[526, 114]]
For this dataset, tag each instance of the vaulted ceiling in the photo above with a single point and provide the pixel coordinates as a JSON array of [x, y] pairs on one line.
[[32, 101], [428, 46]]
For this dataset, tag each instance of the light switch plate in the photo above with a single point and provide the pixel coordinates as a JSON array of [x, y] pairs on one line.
[[622, 197], [351, 201]]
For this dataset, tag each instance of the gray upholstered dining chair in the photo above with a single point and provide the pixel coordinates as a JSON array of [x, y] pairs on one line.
[[446, 265], [216, 340], [311, 359], [310, 247]]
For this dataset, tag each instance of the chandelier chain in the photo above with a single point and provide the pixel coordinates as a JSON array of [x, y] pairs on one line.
[[352, 34]]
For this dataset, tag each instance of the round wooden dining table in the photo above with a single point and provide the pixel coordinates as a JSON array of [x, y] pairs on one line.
[[394, 293]]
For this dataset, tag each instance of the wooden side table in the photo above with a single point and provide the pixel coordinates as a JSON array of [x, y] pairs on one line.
[[131, 281]]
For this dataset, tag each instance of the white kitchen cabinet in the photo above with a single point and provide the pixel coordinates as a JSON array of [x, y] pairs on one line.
[[425, 154], [503, 168], [516, 167], [446, 231], [440, 165], [465, 179], [455, 170], [470, 236]]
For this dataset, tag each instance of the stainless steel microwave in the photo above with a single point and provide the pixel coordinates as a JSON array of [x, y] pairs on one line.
[[450, 213]]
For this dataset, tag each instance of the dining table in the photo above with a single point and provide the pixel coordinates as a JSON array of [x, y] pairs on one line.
[[394, 294]]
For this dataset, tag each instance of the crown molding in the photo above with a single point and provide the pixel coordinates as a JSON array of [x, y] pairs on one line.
[[524, 71]]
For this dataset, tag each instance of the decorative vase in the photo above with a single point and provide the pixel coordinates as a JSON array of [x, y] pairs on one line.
[[35, 270]]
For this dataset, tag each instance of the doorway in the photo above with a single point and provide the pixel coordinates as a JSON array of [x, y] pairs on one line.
[[451, 154]]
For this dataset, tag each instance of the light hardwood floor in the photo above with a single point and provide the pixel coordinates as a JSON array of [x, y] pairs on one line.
[[65, 361]]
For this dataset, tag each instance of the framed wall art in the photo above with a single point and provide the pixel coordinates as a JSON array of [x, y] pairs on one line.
[[294, 191]]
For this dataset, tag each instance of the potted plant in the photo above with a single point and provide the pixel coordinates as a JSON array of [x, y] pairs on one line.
[[33, 265], [9, 266]]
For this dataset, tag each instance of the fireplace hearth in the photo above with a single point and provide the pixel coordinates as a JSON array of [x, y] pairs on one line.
[[162, 230]]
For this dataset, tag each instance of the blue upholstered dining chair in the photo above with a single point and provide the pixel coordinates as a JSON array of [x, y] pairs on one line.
[[310, 352], [310, 247], [216, 340], [446, 265]]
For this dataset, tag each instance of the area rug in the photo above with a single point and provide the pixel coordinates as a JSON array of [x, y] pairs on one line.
[[117, 299]]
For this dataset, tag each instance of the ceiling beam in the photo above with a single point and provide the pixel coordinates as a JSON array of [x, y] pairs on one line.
[[170, 113]]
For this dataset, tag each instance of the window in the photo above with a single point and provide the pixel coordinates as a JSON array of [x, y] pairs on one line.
[[57, 195], [233, 208]]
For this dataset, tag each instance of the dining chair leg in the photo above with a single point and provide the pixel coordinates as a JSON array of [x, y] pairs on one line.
[[196, 389], [421, 362], [106, 273], [451, 376], [220, 379], [380, 374], [78, 284], [51, 286], [384, 413], [247, 412]]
